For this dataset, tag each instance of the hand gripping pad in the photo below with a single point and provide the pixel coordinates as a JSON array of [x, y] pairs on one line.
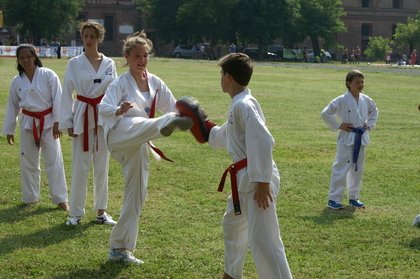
[[189, 106]]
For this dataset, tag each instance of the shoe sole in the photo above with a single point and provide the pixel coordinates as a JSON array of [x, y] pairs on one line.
[[360, 207], [181, 122], [101, 222], [118, 259], [68, 223], [335, 208]]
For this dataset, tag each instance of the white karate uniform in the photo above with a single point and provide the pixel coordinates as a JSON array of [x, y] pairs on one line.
[[245, 135], [81, 78], [127, 136], [41, 94], [358, 113]]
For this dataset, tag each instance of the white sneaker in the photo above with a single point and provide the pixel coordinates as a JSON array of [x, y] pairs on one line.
[[124, 256], [181, 122], [105, 219], [416, 221], [73, 221]]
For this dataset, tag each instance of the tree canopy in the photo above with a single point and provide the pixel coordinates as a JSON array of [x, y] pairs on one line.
[[321, 19], [408, 34], [245, 21], [42, 18]]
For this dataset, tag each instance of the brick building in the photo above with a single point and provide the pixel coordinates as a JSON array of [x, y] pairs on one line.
[[372, 18], [363, 19], [119, 17]]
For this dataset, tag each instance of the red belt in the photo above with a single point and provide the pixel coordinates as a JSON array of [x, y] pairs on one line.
[[94, 103], [40, 115], [233, 170], [152, 115]]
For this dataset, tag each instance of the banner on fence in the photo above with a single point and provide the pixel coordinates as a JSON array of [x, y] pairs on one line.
[[48, 52]]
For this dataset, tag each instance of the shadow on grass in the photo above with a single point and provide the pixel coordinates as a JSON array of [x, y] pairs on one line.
[[106, 270], [329, 216], [22, 211], [42, 238], [414, 244]]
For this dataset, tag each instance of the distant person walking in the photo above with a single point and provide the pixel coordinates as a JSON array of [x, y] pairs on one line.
[[388, 56], [413, 57]]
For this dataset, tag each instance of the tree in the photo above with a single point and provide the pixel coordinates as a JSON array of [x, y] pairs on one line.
[[408, 34], [189, 21], [291, 32], [161, 15], [321, 19], [377, 48], [206, 20], [259, 21], [42, 18]]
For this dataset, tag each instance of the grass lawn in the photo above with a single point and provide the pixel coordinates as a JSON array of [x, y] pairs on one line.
[[180, 230]]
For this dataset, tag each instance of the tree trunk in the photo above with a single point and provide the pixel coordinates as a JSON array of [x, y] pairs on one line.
[[315, 45]]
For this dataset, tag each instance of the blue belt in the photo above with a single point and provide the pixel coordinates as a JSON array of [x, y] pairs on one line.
[[357, 144]]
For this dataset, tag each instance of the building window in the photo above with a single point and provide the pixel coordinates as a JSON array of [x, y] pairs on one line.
[[366, 3], [366, 32], [109, 27], [394, 28], [397, 4]]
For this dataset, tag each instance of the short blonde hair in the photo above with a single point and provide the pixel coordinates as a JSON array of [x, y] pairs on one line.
[[134, 39], [99, 29]]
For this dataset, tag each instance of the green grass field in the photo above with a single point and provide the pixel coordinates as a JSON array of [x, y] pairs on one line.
[[180, 230]]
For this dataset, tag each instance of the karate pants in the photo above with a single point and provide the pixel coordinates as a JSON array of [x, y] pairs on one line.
[[127, 143], [81, 162], [344, 174], [257, 229], [30, 166]]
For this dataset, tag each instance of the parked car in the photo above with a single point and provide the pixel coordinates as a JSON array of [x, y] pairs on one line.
[[185, 51], [254, 53], [293, 54], [311, 58], [276, 49]]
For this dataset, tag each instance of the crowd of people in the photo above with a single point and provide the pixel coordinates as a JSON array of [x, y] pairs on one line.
[[352, 55], [113, 115]]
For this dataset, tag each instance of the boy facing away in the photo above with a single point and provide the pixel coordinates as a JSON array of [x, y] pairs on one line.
[[250, 219], [357, 115]]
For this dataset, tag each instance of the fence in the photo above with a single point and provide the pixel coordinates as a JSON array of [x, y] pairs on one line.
[[44, 51]]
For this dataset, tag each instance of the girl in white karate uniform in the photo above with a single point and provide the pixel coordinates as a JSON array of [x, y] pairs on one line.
[[250, 145], [88, 75], [357, 113], [36, 93], [127, 110]]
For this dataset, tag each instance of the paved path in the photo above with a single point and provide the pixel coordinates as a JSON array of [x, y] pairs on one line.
[[364, 67]]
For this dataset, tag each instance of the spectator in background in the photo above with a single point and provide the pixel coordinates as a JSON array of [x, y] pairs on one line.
[[357, 55], [345, 56], [232, 48], [413, 57], [58, 48], [352, 58], [388, 56]]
